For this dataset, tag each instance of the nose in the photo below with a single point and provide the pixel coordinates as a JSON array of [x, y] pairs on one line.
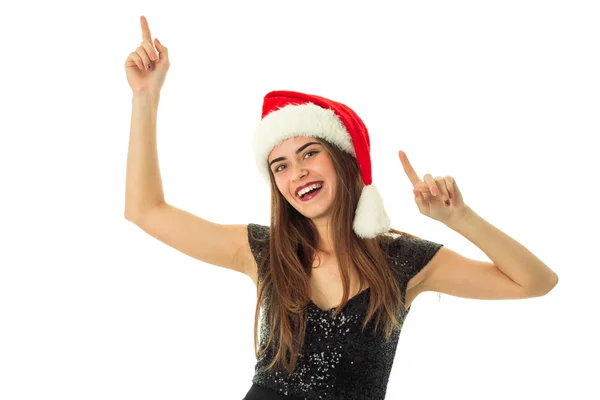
[[298, 173]]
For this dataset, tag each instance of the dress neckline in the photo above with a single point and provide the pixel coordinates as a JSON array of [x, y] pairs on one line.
[[333, 308]]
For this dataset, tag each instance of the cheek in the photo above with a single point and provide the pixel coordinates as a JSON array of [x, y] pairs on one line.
[[280, 187]]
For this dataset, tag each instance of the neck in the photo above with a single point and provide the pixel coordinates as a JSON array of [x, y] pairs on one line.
[[325, 242]]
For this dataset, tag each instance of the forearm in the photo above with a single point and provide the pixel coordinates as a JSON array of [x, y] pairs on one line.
[[510, 256], [143, 181]]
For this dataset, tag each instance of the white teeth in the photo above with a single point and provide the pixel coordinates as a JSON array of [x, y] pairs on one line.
[[309, 188]]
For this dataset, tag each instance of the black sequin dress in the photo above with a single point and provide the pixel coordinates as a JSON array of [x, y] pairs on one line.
[[338, 361]]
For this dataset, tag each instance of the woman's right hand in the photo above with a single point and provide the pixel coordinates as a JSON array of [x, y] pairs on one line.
[[140, 78]]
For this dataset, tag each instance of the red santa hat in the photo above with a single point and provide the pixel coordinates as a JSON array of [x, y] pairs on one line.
[[287, 114]]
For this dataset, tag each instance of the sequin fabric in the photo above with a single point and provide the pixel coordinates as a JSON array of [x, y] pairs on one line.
[[338, 361]]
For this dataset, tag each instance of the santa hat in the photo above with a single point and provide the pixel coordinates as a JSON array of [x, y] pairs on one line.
[[287, 114]]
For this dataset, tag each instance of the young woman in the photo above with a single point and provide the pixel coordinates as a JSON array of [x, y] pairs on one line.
[[334, 280]]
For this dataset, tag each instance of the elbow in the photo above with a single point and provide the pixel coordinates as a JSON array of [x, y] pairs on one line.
[[130, 216], [543, 288], [136, 213], [553, 283]]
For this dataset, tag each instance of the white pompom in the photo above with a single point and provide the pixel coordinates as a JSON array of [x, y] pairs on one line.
[[370, 218]]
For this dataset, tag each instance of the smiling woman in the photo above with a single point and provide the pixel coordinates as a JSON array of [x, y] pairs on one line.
[[332, 277]]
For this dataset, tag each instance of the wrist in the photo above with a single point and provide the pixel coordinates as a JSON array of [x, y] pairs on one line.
[[460, 217], [145, 93]]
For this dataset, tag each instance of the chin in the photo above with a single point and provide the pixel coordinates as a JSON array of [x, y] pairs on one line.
[[316, 212]]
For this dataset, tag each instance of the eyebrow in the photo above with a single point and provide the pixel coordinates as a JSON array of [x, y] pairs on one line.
[[297, 151]]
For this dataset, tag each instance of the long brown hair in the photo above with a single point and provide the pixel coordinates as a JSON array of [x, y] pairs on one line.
[[292, 248]]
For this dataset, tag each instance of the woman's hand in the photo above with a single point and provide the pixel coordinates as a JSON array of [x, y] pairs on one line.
[[141, 78], [437, 198]]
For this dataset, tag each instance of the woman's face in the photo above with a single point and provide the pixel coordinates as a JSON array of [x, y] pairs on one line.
[[299, 161]]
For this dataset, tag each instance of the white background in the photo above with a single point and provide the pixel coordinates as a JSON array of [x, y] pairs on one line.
[[503, 96]]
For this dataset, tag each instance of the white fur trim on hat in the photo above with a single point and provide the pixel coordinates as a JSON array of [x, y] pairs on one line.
[[298, 120], [370, 218]]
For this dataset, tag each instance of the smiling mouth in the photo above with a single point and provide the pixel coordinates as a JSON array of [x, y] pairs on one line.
[[311, 194]]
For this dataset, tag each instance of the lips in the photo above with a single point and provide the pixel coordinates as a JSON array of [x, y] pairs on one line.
[[306, 185], [311, 194]]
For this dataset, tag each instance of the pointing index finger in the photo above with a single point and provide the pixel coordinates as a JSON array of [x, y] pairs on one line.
[[408, 169], [145, 29]]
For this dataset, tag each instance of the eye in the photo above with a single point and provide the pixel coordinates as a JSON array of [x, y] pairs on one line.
[[311, 151], [307, 153]]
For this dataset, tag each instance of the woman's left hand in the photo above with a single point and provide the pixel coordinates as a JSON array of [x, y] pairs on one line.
[[438, 198]]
